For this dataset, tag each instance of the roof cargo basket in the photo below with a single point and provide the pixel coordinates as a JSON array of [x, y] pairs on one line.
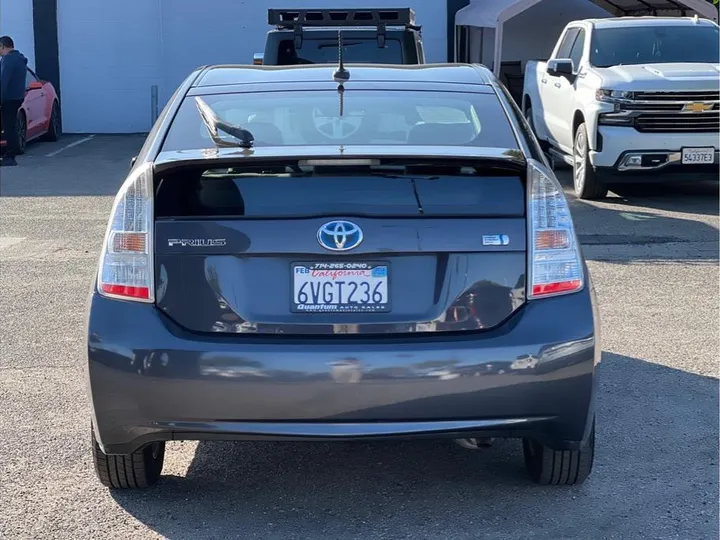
[[296, 19], [289, 18]]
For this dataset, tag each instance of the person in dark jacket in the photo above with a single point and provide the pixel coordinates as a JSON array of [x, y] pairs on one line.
[[13, 71]]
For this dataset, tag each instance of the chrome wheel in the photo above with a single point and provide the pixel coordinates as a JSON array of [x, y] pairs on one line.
[[580, 160]]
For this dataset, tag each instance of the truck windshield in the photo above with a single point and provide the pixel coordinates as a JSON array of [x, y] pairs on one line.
[[654, 45], [369, 117], [325, 51]]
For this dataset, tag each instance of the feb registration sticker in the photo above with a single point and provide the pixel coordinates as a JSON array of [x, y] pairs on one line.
[[342, 287]]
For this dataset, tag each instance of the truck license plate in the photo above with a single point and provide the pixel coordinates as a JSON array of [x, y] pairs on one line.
[[697, 156], [340, 287]]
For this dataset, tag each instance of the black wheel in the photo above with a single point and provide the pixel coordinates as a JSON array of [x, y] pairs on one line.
[[138, 470], [21, 132], [559, 467], [587, 183], [55, 126]]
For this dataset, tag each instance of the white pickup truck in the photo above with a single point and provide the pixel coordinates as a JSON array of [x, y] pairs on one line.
[[629, 100]]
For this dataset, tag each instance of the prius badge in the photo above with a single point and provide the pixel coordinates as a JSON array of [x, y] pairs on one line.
[[196, 242]]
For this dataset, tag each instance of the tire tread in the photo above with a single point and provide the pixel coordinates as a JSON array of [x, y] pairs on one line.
[[559, 467], [129, 471], [593, 187]]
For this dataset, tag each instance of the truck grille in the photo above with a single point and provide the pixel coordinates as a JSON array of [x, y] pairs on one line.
[[708, 122], [665, 112], [704, 95]]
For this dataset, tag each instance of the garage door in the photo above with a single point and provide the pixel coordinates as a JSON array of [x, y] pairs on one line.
[[16, 21], [113, 52]]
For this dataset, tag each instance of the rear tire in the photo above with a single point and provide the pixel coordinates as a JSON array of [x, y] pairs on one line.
[[586, 180], [559, 467], [55, 126], [138, 470]]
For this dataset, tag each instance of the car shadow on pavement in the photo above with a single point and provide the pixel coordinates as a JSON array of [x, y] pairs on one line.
[[97, 166], [703, 197], [656, 476]]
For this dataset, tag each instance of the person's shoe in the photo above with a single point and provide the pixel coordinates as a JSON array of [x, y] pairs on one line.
[[8, 162]]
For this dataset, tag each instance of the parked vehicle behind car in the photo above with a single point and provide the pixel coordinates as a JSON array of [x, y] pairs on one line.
[[39, 116], [310, 253], [629, 100], [371, 36]]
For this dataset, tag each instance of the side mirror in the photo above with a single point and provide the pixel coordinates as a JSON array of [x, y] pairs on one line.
[[560, 67], [258, 59], [132, 162], [35, 85]]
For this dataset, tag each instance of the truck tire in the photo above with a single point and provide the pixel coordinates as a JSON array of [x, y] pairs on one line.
[[586, 180], [559, 467], [138, 470]]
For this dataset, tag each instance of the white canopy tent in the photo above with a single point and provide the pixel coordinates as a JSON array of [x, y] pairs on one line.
[[493, 14]]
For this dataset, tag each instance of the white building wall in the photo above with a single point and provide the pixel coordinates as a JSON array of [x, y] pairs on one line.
[[110, 56], [16, 21], [113, 51]]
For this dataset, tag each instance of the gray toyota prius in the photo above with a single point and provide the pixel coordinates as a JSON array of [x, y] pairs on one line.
[[362, 252]]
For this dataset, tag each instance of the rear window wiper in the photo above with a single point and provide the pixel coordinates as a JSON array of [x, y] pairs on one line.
[[215, 124]]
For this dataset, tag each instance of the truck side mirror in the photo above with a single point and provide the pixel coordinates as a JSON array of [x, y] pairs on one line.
[[559, 67], [258, 59]]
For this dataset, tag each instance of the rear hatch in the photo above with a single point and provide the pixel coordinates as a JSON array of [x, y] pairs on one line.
[[383, 246]]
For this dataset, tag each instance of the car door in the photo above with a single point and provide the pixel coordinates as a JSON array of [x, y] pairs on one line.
[[566, 89], [34, 105], [551, 88]]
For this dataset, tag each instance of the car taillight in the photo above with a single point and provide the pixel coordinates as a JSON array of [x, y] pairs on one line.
[[555, 266], [126, 263]]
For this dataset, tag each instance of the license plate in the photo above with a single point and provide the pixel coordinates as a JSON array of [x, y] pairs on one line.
[[694, 156], [343, 287]]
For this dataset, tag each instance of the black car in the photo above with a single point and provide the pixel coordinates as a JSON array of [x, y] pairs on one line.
[[341, 253], [373, 36]]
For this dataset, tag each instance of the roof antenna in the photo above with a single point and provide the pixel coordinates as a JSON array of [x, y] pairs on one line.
[[341, 75]]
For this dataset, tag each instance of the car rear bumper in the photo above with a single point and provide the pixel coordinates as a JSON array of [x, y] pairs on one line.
[[151, 380]]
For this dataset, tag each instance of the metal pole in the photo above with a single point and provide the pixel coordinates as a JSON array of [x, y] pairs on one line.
[[153, 104], [482, 45]]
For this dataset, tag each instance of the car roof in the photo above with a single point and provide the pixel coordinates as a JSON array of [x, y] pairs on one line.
[[619, 22], [222, 75]]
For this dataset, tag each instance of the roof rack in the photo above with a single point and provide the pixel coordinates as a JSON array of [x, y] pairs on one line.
[[296, 19]]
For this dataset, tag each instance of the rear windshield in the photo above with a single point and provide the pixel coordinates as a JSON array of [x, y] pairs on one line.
[[654, 45], [325, 51], [368, 117]]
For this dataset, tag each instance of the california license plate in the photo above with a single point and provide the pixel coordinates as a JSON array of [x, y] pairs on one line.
[[697, 156], [340, 287]]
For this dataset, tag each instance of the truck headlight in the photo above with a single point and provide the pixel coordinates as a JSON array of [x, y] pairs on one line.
[[613, 96]]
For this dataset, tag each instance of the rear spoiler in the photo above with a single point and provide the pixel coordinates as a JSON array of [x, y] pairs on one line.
[[297, 19], [325, 156]]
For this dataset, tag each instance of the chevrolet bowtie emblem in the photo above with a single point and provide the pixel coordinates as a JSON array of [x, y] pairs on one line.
[[698, 107]]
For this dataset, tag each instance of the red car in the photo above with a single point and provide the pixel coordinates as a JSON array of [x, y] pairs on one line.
[[39, 115]]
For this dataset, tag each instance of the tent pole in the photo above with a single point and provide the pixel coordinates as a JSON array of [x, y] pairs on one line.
[[498, 48], [482, 45]]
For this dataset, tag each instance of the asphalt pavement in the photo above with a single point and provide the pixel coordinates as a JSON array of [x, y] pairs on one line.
[[653, 255]]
